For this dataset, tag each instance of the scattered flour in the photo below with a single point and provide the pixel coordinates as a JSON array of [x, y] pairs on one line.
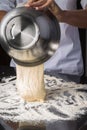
[[64, 101]]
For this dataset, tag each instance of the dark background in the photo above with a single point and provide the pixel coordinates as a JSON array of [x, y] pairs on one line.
[[82, 33]]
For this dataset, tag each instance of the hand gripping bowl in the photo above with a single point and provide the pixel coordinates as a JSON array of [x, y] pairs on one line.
[[30, 37]]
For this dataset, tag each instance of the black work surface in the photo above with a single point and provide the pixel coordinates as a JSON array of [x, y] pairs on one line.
[[79, 123]]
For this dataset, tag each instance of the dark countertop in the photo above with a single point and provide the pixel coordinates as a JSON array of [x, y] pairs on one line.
[[77, 123]]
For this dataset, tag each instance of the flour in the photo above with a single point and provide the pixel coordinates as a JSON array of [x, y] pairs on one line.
[[30, 82], [64, 101]]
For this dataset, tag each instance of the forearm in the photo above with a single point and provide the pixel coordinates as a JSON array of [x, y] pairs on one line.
[[76, 18], [2, 14], [73, 17]]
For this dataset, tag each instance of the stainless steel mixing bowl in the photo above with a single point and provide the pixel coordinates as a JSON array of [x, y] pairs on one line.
[[30, 37]]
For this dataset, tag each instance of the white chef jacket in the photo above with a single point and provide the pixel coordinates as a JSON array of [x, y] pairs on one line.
[[68, 57]]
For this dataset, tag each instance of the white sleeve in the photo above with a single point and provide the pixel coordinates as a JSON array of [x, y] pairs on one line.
[[84, 3], [7, 5]]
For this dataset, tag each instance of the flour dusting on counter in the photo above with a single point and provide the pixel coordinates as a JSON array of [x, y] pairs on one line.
[[64, 101]]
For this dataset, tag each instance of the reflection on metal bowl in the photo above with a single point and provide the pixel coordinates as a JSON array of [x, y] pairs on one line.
[[31, 37]]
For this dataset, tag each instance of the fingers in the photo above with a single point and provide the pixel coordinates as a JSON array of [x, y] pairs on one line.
[[38, 4], [45, 5], [28, 3]]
